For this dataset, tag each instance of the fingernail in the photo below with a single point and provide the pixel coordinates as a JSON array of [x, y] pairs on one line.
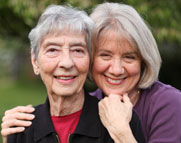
[[29, 123], [22, 128], [33, 116], [32, 109]]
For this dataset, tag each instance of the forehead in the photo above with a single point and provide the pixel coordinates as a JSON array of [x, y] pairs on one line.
[[113, 40], [61, 36]]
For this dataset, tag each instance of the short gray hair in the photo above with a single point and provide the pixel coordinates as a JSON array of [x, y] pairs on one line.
[[127, 20], [57, 18]]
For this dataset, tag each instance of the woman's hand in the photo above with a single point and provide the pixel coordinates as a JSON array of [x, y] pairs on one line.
[[15, 120], [115, 113]]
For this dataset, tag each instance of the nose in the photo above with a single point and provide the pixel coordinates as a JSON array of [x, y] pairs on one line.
[[116, 67], [66, 60]]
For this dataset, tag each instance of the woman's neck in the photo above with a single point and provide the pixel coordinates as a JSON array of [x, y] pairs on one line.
[[134, 96], [65, 105]]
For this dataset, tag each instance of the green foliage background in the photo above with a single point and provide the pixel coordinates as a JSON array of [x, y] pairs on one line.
[[19, 86]]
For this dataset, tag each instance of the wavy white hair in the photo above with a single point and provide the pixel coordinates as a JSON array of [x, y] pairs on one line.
[[126, 20], [57, 18]]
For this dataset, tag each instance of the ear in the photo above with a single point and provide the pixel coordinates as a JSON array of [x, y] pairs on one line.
[[35, 64]]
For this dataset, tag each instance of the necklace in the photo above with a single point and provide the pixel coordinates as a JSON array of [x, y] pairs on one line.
[[135, 97]]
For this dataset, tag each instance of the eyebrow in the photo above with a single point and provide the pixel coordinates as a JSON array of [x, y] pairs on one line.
[[104, 50], [125, 53], [132, 52], [81, 44], [48, 43]]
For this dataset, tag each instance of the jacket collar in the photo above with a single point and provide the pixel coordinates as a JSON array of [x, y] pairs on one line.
[[89, 123], [42, 123]]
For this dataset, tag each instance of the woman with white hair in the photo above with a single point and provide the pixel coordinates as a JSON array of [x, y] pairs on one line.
[[126, 60]]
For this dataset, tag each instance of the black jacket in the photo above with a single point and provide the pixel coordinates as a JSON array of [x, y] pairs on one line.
[[88, 130]]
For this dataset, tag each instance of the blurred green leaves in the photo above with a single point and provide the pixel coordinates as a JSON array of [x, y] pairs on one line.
[[162, 15], [17, 17]]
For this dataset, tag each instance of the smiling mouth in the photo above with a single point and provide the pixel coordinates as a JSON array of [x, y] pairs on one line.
[[114, 81], [65, 77]]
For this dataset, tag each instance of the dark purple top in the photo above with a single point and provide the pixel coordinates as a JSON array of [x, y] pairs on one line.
[[159, 109]]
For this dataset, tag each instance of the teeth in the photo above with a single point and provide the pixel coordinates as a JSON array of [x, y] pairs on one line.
[[114, 81], [65, 78]]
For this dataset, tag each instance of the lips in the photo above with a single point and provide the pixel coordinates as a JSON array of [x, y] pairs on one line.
[[65, 77], [114, 81]]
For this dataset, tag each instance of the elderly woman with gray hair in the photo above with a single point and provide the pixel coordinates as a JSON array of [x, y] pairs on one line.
[[60, 53]]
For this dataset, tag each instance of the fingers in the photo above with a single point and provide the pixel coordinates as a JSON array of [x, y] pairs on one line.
[[115, 96], [115, 105], [8, 131], [22, 109], [15, 120], [20, 112], [125, 98], [19, 116]]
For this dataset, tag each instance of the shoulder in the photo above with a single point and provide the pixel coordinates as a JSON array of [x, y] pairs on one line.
[[162, 92], [159, 96], [28, 133], [160, 99], [160, 112], [39, 107]]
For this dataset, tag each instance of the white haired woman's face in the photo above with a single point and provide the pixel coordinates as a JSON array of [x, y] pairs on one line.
[[63, 62], [116, 64]]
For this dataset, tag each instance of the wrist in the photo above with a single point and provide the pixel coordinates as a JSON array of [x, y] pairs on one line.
[[4, 139], [122, 135]]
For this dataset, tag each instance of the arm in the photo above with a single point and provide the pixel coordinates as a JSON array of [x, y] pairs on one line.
[[115, 116], [15, 120], [163, 117]]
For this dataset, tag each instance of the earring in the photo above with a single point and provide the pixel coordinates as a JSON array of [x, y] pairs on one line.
[[37, 72]]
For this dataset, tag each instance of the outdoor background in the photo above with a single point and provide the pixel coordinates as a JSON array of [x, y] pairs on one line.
[[19, 86]]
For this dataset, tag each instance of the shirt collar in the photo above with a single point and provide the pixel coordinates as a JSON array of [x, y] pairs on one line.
[[89, 123]]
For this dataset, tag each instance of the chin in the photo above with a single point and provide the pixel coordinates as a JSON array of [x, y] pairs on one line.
[[63, 93], [114, 92]]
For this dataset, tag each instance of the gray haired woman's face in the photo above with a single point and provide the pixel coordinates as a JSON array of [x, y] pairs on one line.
[[117, 65], [63, 62]]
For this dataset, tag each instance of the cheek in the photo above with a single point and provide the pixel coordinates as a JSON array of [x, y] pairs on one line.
[[82, 65], [99, 66], [134, 70], [48, 65]]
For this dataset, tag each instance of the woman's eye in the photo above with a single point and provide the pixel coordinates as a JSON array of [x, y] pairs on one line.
[[78, 52], [52, 50], [130, 57], [105, 56]]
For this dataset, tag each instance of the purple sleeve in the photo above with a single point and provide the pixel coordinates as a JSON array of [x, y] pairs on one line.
[[160, 114], [166, 121], [97, 93]]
